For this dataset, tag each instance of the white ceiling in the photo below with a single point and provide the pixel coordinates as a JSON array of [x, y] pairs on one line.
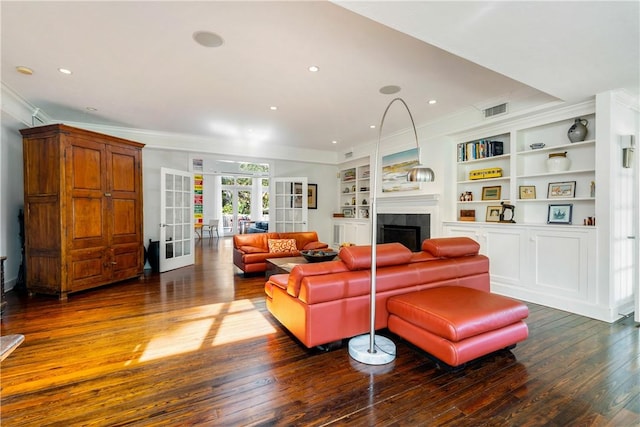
[[137, 64]]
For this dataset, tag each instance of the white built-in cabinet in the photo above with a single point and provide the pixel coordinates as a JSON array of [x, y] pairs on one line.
[[554, 266], [354, 203], [544, 262]]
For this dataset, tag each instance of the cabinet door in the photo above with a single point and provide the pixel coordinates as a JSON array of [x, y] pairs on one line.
[[563, 264], [504, 245], [506, 248], [124, 211], [86, 235]]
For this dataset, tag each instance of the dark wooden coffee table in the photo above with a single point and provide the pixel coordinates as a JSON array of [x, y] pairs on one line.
[[282, 265]]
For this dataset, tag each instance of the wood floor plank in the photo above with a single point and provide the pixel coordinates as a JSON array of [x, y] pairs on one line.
[[196, 346]]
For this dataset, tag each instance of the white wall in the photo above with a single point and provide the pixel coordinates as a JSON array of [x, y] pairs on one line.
[[11, 195], [618, 218]]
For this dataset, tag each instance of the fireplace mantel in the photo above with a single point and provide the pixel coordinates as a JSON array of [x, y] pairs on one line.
[[392, 204], [413, 204]]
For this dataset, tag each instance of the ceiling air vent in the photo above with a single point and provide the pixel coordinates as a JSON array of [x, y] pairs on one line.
[[495, 110], [348, 155]]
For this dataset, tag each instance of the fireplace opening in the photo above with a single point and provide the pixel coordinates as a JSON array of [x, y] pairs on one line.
[[406, 234], [409, 229]]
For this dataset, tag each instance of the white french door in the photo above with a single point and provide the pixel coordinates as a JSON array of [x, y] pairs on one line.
[[176, 219], [288, 204]]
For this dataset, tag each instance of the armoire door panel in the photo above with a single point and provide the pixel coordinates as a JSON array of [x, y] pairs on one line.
[[88, 266], [124, 214], [87, 165], [126, 260], [88, 219], [123, 171]]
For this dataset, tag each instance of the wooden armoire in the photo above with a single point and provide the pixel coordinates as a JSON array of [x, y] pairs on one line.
[[82, 209]]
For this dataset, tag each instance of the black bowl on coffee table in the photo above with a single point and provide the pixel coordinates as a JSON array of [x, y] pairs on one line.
[[318, 255]]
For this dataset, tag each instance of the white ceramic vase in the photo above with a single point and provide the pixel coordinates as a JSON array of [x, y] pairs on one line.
[[558, 162]]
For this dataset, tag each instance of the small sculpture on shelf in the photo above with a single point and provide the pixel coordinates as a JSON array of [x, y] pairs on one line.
[[466, 196], [508, 213]]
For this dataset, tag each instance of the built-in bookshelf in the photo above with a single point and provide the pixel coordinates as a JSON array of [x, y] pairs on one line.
[[355, 191]]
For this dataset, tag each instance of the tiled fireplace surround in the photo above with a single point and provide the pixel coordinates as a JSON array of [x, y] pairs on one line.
[[404, 214]]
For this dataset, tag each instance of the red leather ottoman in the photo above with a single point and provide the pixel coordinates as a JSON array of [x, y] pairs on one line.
[[456, 324]]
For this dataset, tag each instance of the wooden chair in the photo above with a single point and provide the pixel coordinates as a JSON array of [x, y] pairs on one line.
[[213, 225]]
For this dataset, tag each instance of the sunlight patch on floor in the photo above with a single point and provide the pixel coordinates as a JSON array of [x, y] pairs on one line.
[[228, 322], [242, 322], [182, 338]]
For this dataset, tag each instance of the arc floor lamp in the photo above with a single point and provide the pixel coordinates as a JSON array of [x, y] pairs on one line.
[[370, 348]]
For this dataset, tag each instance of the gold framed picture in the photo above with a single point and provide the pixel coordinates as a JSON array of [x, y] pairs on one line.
[[491, 193], [527, 192], [493, 213]]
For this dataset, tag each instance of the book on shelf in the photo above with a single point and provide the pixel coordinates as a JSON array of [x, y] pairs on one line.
[[480, 149]]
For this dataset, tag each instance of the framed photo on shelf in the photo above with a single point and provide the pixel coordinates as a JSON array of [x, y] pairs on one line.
[[347, 212], [527, 192], [561, 190], [560, 214], [491, 193], [312, 192], [493, 213]]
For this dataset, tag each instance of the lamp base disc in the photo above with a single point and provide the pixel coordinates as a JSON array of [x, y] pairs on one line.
[[385, 350]]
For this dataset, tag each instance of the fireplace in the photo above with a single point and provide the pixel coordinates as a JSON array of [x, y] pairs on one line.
[[409, 229]]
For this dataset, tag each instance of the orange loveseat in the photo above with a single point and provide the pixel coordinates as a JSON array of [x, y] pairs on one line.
[[251, 251], [325, 302]]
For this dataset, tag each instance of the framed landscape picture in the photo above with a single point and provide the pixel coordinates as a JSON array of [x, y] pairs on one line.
[[491, 193], [561, 190], [560, 214]]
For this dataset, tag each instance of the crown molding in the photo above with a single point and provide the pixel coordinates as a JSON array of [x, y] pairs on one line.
[[208, 145], [21, 110]]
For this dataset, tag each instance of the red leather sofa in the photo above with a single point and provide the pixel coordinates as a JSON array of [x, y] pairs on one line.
[[325, 302], [250, 251]]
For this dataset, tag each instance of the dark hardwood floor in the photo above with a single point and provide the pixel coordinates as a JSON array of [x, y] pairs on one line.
[[196, 346]]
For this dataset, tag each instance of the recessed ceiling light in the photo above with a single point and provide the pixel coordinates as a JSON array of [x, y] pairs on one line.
[[208, 39], [24, 70], [334, 142], [64, 70], [314, 68], [432, 101], [273, 108], [92, 109], [372, 126], [390, 89]]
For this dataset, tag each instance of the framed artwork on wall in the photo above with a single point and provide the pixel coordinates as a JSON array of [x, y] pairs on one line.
[[312, 192]]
